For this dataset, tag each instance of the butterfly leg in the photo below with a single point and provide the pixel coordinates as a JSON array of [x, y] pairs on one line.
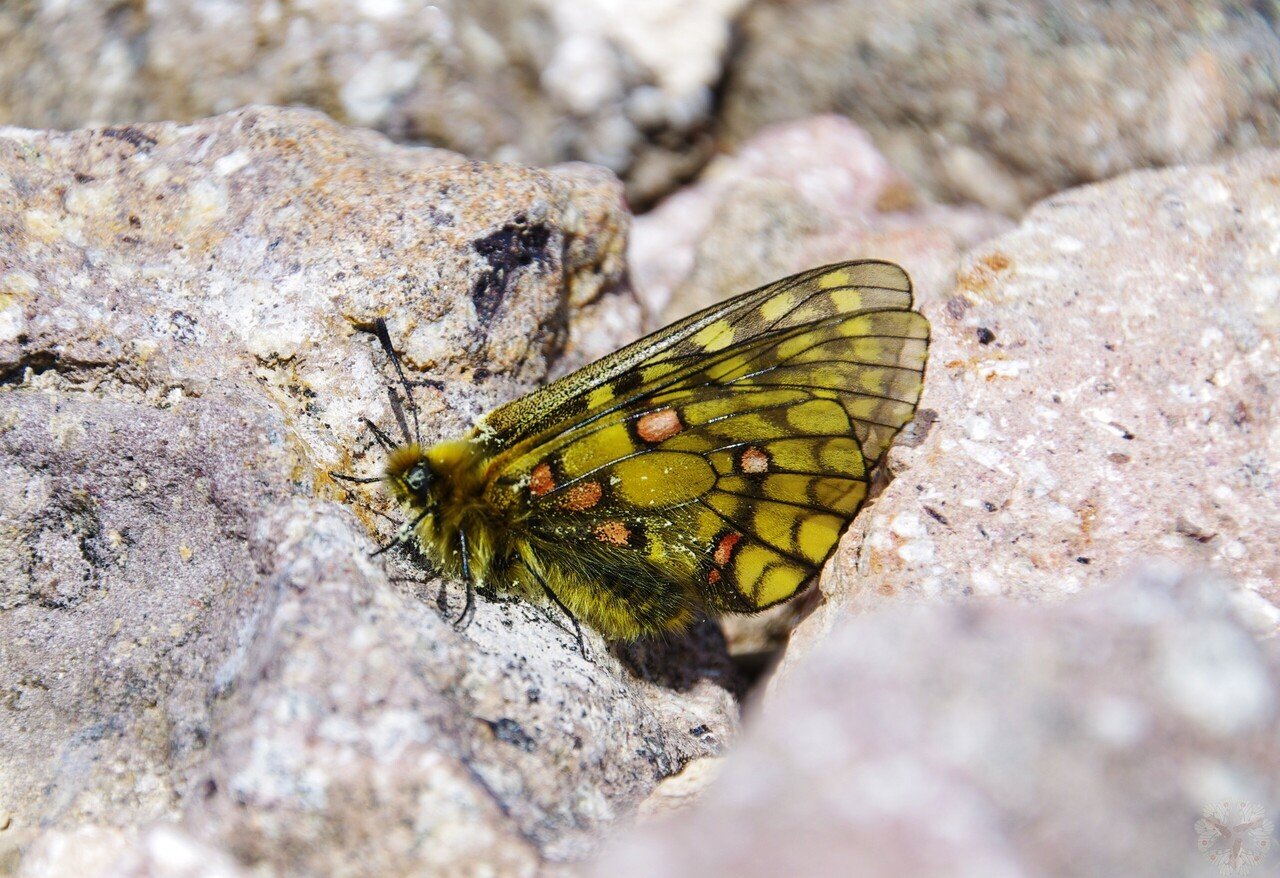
[[471, 589], [402, 535], [546, 589]]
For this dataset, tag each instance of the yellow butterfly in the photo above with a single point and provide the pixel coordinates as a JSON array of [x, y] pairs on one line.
[[711, 466]]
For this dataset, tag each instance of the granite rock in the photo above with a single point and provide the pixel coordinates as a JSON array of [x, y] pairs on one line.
[[1101, 390], [1003, 103], [540, 81], [796, 195], [993, 739], [192, 633]]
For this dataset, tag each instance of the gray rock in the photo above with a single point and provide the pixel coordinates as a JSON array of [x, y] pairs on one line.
[[1003, 103], [993, 739], [190, 628], [538, 81], [1101, 390]]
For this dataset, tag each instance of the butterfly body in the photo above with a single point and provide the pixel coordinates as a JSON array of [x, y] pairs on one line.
[[711, 466]]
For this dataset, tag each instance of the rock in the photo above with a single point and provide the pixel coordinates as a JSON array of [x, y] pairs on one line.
[[191, 630], [1005, 103], [538, 81], [1102, 389], [161, 852], [797, 195], [995, 739]]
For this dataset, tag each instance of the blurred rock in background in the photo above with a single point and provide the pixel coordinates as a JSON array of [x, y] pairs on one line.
[[628, 86], [998, 103], [1001, 102]]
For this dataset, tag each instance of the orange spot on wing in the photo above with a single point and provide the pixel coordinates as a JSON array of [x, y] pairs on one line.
[[724, 549], [613, 532], [754, 460], [582, 496], [659, 425], [541, 481], [714, 576]]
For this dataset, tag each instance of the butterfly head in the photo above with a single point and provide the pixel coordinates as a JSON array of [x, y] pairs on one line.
[[424, 478], [411, 477]]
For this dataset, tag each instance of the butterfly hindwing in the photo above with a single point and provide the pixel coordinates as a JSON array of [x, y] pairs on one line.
[[722, 458]]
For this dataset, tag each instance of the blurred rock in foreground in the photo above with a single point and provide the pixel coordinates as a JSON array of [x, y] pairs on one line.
[[190, 627], [989, 739], [1003, 103]]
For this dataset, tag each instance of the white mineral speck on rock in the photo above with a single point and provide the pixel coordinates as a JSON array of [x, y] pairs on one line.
[[232, 162]]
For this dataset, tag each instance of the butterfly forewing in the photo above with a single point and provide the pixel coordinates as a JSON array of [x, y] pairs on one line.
[[726, 454]]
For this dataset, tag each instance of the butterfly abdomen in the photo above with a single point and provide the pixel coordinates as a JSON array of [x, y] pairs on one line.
[[622, 596]]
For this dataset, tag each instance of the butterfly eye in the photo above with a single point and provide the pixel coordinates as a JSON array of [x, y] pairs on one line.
[[418, 478]]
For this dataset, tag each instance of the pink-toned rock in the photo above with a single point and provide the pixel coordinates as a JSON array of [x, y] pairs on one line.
[[1102, 389], [993, 740], [794, 196]]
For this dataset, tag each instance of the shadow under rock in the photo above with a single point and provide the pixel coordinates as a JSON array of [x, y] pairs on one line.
[[681, 661]]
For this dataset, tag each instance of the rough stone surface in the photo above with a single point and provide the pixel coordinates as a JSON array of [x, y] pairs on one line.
[[629, 86], [191, 631], [992, 739], [796, 195], [1005, 102], [1102, 388]]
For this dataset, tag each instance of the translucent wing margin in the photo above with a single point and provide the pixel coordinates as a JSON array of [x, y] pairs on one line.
[[729, 451], [620, 376]]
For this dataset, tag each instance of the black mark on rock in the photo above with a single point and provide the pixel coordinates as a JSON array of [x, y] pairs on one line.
[[510, 731], [131, 135], [507, 250]]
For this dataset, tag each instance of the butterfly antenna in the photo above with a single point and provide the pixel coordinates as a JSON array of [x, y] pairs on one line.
[[383, 439], [357, 480], [384, 338]]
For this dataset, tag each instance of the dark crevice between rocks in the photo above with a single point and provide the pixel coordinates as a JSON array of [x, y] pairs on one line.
[[38, 362], [84, 375]]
